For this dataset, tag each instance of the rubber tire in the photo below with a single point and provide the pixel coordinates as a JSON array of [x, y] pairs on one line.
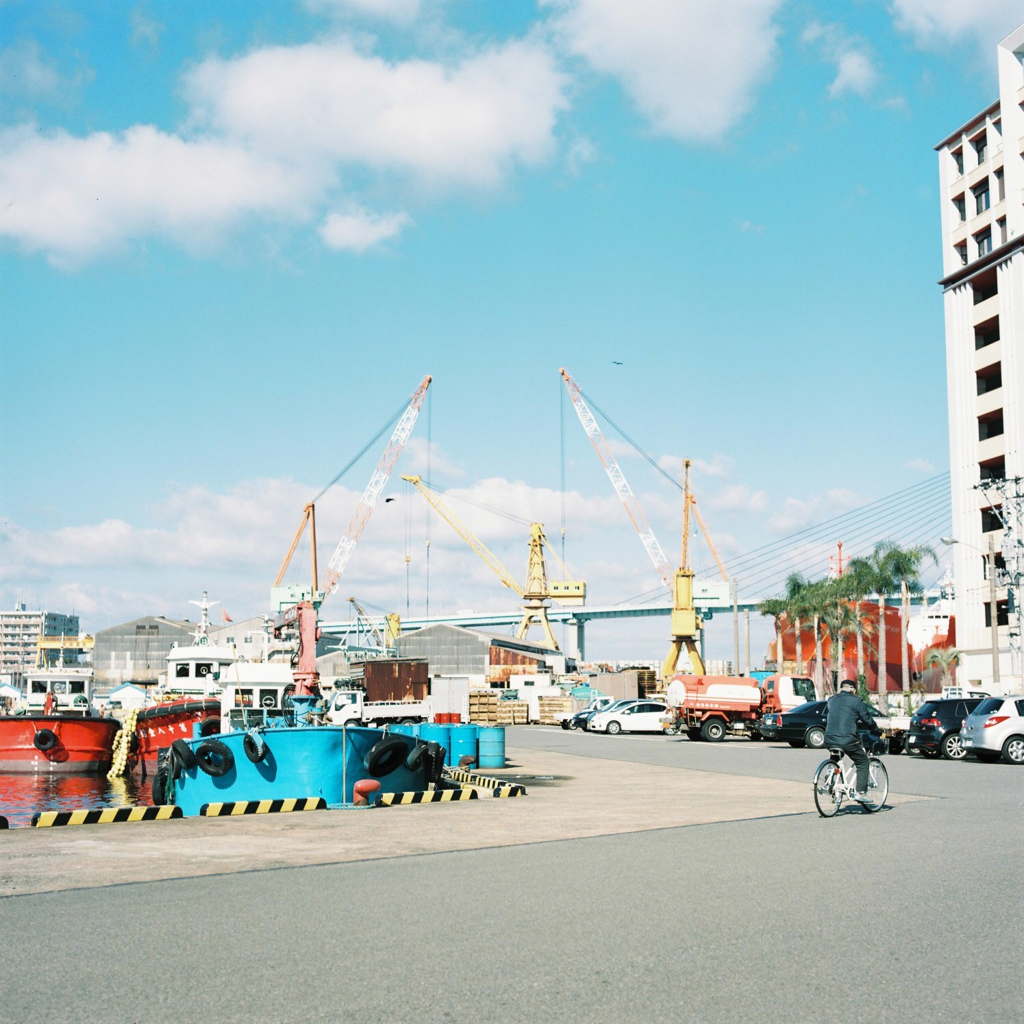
[[564, 723], [815, 737], [797, 744], [385, 756], [255, 750], [415, 759], [884, 775], [613, 729], [951, 747], [159, 787], [44, 740], [825, 801], [693, 734], [185, 754], [987, 756], [931, 754], [712, 731], [221, 750], [209, 727], [755, 736], [1013, 750]]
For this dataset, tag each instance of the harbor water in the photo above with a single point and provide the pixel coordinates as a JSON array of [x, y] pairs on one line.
[[22, 795]]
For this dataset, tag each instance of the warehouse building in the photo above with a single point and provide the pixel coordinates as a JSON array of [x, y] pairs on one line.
[[136, 651]]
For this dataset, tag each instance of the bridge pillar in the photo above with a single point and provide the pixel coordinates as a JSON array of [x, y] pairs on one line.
[[579, 644]]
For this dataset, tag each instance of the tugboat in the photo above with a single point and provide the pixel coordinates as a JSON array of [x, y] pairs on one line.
[[273, 744]]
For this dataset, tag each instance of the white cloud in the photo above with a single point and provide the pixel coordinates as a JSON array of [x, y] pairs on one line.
[[398, 12], [359, 230], [691, 69], [922, 466], [795, 513], [935, 24], [463, 124], [749, 227], [145, 29], [25, 71], [429, 459], [74, 197], [580, 153], [739, 498], [856, 71]]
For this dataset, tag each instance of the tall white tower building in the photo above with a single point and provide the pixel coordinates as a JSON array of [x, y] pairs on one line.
[[981, 175]]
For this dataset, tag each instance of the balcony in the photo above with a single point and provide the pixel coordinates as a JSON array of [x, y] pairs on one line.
[[991, 448], [978, 174], [985, 310], [988, 402]]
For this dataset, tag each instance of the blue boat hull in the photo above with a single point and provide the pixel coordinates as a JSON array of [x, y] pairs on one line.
[[300, 761]]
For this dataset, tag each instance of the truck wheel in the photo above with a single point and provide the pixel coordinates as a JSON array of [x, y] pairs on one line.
[[797, 743], [815, 737], [694, 734], [713, 730]]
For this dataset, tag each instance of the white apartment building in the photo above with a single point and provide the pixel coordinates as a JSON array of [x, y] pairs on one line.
[[981, 177], [20, 630]]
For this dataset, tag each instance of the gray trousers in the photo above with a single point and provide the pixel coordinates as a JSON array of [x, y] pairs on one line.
[[860, 758]]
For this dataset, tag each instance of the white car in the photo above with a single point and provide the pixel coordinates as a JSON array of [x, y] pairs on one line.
[[636, 716], [994, 729]]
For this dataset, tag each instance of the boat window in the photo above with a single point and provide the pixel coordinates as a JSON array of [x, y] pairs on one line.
[[60, 687], [76, 687], [204, 668], [181, 670], [268, 698], [243, 698], [38, 687]]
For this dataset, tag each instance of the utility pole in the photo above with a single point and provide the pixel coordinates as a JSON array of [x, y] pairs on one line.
[[746, 638], [994, 611], [735, 630]]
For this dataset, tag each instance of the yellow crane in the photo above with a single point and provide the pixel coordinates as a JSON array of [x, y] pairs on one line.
[[538, 590]]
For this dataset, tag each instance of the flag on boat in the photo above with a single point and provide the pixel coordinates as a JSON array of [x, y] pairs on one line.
[[224, 615]]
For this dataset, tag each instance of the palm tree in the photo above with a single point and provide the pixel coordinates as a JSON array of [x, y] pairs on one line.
[[776, 608], [839, 621], [878, 577], [858, 577], [904, 567], [811, 601], [944, 658], [796, 607]]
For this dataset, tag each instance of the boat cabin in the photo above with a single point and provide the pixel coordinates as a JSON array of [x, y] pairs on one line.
[[196, 670], [254, 694], [71, 689]]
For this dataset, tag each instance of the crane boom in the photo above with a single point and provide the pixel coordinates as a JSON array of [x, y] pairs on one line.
[[347, 544], [465, 533], [618, 479]]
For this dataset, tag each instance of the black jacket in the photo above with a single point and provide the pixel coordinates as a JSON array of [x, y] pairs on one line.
[[842, 713]]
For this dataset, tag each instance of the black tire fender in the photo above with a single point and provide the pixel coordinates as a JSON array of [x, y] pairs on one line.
[[209, 727], [44, 739], [385, 756], [254, 746], [415, 759], [184, 754], [159, 787], [214, 758]]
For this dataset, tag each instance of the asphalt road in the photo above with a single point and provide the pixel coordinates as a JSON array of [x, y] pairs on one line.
[[910, 913]]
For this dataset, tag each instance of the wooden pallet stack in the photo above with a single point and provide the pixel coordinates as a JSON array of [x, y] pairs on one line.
[[551, 706], [513, 712], [483, 707]]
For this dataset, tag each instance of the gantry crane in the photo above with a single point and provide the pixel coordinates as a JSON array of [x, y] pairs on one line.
[[686, 624], [538, 590], [303, 613]]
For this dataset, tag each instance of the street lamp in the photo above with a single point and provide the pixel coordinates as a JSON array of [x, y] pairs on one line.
[[994, 606]]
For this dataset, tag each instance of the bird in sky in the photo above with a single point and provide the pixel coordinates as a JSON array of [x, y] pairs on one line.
[[386, 500], [616, 362]]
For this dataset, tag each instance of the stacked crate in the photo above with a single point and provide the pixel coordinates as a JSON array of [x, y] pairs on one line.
[[513, 712], [483, 707], [646, 683], [551, 706]]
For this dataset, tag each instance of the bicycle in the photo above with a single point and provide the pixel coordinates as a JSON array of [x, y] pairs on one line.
[[832, 785]]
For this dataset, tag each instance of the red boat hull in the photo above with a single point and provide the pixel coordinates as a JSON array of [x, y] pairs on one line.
[[78, 744], [159, 726]]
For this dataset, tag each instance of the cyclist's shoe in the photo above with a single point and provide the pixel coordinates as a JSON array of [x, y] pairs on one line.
[[863, 798]]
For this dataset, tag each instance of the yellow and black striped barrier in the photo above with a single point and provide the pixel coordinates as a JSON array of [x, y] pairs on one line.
[[497, 787], [104, 816], [226, 810], [434, 796]]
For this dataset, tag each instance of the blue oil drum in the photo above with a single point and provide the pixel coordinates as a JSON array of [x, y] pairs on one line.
[[491, 744], [464, 742], [432, 733], [403, 729]]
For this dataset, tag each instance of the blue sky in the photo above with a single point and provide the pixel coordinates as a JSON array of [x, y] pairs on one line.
[[235, 237]]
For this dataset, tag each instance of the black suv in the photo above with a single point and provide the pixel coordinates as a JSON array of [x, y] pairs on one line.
[[935, 727]]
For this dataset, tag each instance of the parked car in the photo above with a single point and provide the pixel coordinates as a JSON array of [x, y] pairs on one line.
[[803, 726], [633, 716], [996, 729], [579, 718], [935, 728]]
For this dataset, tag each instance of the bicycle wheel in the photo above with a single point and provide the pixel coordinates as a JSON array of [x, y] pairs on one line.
[[878, 785], [827, 795]]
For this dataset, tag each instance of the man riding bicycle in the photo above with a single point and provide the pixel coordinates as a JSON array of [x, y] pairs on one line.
[[843, 712]]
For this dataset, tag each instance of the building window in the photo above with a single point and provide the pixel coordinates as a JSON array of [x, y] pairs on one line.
[[1000, 186], [998, 126], [990, 520], [990, 426], [1002, 613], [980, 144], [139, 630], [985, 286], [960, 253], [1001, 229], [994, 469], [981, 197], [961, 208], [987, 334], [990, 378], [958, 160], [984, 241]]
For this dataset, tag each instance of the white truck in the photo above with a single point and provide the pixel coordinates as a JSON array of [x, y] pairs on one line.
[[352, 706]]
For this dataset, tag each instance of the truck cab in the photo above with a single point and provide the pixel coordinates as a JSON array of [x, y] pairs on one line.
[[345, 706], [782, 693]]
